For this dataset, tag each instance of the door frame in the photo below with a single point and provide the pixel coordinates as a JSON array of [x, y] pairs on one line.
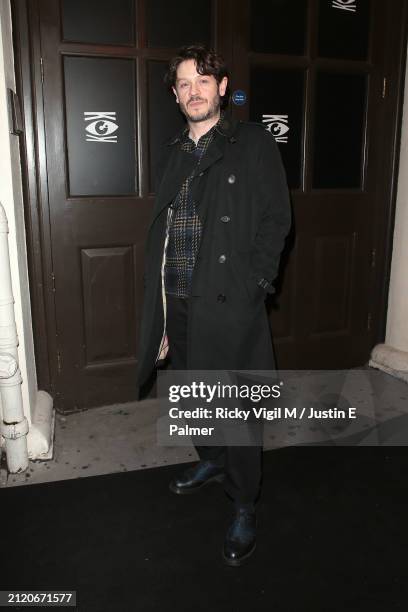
[[29, 76], [28, 72]]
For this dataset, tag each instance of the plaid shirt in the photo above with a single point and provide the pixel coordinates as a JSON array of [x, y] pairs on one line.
[[184, 232]]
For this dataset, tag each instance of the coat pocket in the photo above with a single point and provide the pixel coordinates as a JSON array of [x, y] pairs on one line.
[[246, 278]]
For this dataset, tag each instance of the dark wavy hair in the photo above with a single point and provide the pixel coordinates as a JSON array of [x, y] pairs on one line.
[[207, 61]]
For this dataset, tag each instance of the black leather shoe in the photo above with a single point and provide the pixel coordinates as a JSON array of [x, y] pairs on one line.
[[240, 540], [194, 478]]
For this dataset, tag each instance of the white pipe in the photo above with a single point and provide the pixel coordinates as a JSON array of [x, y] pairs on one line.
[[14, 425]]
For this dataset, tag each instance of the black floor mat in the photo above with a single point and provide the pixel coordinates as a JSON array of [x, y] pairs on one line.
[[332, 536]]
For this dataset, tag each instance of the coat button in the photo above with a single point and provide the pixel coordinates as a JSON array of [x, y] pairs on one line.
[[225, 219], [221, 298], [222, 259], [231, 179], [201, 174]]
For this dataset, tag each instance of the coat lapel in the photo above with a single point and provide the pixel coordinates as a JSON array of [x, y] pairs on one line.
[[200, 183], [213, 154], [179, 166]]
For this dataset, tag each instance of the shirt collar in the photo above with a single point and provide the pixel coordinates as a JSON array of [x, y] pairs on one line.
[[205, 137], [225, 126]]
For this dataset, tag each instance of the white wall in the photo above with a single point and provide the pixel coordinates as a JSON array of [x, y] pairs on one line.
[[12, 201], [392, 356], [397, 319]]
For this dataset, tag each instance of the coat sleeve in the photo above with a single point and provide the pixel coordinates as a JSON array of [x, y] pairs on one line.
[[272, 198]]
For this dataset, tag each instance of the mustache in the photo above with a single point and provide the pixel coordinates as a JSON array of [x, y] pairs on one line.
[[195, 100]]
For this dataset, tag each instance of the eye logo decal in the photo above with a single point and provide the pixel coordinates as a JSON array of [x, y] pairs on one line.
[[102, 126], [345, 5], [277, 125]]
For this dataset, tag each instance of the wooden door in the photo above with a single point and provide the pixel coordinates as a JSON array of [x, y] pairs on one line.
[[315, 75], [105, 112]]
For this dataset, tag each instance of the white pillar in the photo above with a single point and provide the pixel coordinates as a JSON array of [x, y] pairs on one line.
[[13, 425], [37, 405], [392, 356]]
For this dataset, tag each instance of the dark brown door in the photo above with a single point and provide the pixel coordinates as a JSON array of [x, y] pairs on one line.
[[315, 76], [105, 111], [312, 70]]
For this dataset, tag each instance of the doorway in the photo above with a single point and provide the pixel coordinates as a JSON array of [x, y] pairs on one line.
[[324, 76]]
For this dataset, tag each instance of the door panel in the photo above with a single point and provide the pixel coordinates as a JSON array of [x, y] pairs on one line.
[[278, 27], [109, 304], [98, 22], [277, 101], [344, 28], [339, 130], [168, 22], [100, 121]]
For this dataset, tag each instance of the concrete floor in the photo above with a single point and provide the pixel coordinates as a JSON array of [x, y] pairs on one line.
[[104, 440], [123, 437]]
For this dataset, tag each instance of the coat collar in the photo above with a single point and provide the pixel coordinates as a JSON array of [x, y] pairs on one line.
[[227, 128]]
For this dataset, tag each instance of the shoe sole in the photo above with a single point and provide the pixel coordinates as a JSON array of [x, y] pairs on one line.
[[238, 562], [177, 491]]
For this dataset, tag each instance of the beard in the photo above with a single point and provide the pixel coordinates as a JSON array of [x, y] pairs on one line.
[[212, 110]]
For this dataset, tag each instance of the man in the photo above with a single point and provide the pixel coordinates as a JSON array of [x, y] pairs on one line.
[[218, 227]]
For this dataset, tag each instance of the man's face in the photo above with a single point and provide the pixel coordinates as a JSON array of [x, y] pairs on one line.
[[198, 94]]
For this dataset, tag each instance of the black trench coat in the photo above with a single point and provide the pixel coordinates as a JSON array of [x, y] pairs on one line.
[[242, 199]]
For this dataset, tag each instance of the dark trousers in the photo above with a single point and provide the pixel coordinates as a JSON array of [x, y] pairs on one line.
[[243, 464]]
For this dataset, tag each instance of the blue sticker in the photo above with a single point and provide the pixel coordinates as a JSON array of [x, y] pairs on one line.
[[239, 97]]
